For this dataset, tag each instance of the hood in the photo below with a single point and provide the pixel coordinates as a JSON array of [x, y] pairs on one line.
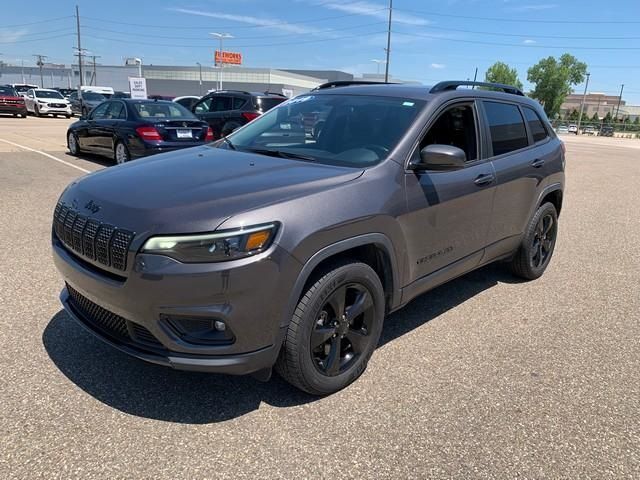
[[196, 189]]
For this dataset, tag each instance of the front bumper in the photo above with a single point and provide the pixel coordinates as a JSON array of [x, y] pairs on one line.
[[54, 110], [158, 288], [13, 109]]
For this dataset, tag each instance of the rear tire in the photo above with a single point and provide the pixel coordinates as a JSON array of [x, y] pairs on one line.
[[334, 329], [121, 153], [535, 252]]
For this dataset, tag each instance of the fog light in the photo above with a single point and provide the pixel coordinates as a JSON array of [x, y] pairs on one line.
[[220, 325]]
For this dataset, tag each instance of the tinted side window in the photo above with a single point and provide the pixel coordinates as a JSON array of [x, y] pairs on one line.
[[508, 132], [220, 104], [100, 111], [203, 106], [238, 102], [455, 127], [535, 125], [116, 111]]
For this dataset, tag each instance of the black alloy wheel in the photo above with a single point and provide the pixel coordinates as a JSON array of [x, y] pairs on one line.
[[543, 239], [535, 251], [334, 330], [342, 330]]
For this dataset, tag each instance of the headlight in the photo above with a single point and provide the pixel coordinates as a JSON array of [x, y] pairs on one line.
[[218, 246]]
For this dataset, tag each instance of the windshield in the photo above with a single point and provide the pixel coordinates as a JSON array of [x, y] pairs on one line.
[[48, 94], [8, 91], [349, 130], [162, 110], [23, 88], [93, 97]]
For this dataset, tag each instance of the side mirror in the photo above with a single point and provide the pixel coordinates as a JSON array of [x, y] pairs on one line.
[[440, 157]]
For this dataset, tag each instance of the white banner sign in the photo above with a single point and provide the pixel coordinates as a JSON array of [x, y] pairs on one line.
[[138, 87]]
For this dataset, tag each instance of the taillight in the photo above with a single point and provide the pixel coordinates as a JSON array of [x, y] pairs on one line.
[[248, 116], [148, 132], [209, 136]]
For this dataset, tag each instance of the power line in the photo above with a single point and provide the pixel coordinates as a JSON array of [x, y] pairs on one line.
[[36, 23], [528, 35], [268, 25], [328, 30], [534, 45], [36, 39], [520, 20], [319, 40]]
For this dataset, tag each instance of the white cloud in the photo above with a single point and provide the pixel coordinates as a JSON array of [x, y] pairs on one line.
[[528, 41], [8, 36], [375, 10], [438, 66], [274, 23]]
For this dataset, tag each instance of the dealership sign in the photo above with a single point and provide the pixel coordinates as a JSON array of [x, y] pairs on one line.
[[138, 87], [230, 58]]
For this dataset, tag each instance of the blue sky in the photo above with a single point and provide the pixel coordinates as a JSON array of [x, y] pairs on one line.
[[431, 41]]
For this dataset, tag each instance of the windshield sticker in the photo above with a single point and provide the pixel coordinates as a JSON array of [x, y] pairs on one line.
[[296, 100], [408, 104]]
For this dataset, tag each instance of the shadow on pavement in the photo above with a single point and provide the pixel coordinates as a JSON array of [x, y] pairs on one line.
[[156, 392], [97, 159]]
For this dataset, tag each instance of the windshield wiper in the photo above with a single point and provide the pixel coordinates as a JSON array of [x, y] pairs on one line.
[[281, 154], [228, 142]]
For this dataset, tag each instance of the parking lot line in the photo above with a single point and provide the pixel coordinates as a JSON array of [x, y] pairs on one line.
[[46, 155]]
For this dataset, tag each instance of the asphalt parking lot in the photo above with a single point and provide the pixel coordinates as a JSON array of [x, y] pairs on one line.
[[485, 377]]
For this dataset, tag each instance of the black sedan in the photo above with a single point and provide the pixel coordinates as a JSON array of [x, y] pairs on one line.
[[124, 129]]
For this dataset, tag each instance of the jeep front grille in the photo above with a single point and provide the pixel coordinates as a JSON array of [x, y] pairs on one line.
[[97, 241]]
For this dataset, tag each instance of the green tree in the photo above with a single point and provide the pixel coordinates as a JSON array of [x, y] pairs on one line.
[[500, 72], [636, 121], [553, 80], [595, 117], [574, 115], [607, 118]]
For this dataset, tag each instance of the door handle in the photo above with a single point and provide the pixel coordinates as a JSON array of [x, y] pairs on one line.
[[484, 179], [537, 163]]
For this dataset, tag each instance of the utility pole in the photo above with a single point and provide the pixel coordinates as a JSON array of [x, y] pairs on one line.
[[79, 47], [40, 64], [220, 36], [95, 75], [584, 97], [200, 69], [388, 49], [619, 101], [475, 76]]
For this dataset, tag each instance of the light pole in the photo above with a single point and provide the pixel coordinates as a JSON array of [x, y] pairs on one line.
[[619, 101], [584, 96], [386, 66], [200, 69], [220, 36], [378, 63]]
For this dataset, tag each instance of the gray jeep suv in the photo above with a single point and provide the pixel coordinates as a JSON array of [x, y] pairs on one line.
[[288, 242]]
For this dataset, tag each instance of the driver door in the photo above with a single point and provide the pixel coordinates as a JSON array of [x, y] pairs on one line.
[[89, 134], [449, 211]]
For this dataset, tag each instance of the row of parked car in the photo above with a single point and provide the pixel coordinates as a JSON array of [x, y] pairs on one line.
[[603, 131], [124, 128]]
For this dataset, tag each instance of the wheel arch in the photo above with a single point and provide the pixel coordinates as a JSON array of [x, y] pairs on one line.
[[552, 194], [373, 249]]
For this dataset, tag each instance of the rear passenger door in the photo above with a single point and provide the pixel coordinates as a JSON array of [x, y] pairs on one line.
[[518, 161]]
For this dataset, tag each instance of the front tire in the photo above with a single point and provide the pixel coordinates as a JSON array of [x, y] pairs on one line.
[[36, 111], [535, 251], [72, 144], [121, 153], [334, 330]]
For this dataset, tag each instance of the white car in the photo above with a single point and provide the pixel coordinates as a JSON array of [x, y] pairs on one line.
[[573, 129], [42, 101], [187, 101]]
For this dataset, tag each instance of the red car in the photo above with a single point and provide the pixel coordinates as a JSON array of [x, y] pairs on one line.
[[11, 102]]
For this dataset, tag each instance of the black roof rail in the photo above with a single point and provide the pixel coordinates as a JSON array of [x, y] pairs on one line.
[[454, 84], [346, 83], [275, 93]]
